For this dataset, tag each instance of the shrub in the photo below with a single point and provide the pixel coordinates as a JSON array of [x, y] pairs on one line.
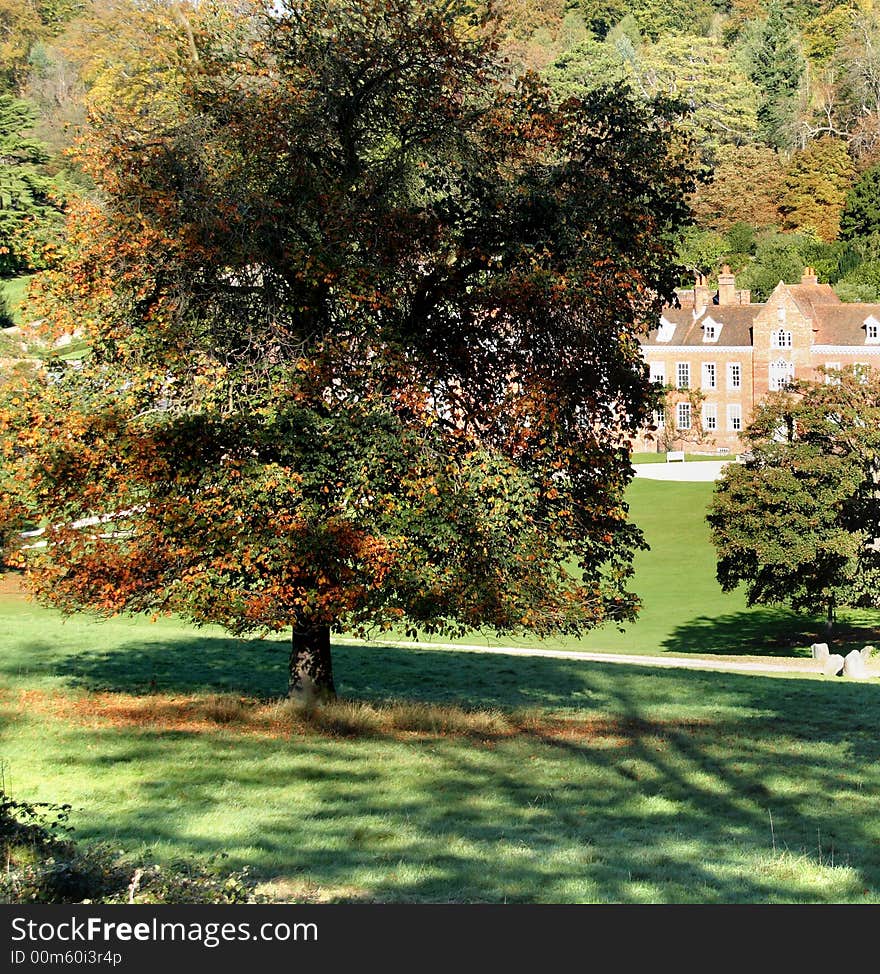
[[41, 864]]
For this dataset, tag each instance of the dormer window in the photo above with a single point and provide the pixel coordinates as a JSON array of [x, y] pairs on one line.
[[711, 330], [872, 330], [665, 331], [780, 339]]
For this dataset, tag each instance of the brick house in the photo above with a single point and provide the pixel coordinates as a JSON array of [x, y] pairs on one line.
[[735, 352]]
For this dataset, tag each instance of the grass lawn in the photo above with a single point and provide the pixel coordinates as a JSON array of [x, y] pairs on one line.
[[661, 457], [684, 610], [458, 777], [14, 289], [607, 783]]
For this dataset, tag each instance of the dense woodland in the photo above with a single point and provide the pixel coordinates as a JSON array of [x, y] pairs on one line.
[[783, 97]]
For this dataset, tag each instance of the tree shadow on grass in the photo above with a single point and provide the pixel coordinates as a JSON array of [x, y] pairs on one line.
[[759, 632], [670, 811], [674, 806], [182, 665], [259, 668]]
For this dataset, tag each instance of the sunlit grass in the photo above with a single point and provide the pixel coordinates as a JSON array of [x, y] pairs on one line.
[[447, 777], [15, 292], [691, 457], [684, 610]]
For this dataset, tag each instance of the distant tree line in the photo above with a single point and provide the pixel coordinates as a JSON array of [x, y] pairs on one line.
[[783, 98]]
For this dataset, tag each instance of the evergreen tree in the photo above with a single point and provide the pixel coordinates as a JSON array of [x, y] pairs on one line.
[[700, 72], [861, 214], [777, 68], [587, 67], [601, 15], [27, 207]]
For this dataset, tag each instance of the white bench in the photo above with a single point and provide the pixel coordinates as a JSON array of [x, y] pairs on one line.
[[673, 456]]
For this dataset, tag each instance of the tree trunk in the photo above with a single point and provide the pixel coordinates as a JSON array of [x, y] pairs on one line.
[[310, 677]]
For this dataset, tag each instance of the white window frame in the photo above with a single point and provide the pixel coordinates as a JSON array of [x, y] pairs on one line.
[[781, 338], [686, 368], [832, 380], [682, 413], [659, 420], [730, 375], [734, 417], [657, 373], [712, 330], [780, 374], [709, 376], [710, 417], [872, 331]]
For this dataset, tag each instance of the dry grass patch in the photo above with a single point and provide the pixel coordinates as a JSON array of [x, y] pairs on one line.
[[396, 720], [11, 585]]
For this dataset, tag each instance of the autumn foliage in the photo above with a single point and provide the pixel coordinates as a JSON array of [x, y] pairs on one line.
[[363, 324]]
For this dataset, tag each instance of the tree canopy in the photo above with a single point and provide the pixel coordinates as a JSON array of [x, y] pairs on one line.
[[30, 209], [363, 321], [861, 214], [799, 521], [763, 82]]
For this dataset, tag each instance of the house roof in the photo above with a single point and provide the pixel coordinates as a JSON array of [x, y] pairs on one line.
[[843, 324], [735, 320], [834, 322], [811, 297]]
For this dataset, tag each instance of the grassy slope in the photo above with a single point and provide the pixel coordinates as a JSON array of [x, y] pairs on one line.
[[684, 610], [675, 809], [15, 290]]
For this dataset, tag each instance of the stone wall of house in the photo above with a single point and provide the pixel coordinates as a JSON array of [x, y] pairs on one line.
[[728, 402], [781, 318], [781, 348]]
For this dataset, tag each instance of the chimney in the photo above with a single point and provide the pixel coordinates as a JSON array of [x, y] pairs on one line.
[[726, 287], [701, 294], [744, 297], [809, 276]]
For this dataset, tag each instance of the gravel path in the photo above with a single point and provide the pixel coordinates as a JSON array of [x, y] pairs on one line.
[[770, 664], [691, 470]]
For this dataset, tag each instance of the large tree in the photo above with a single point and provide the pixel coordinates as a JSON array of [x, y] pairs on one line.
[[746, 186], [817, 181], [364, 326], [799, 521], [722, 100]]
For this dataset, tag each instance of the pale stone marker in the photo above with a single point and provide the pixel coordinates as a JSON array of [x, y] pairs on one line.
[[854, 666], [833, 665], [866, 652], [820, 651]]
